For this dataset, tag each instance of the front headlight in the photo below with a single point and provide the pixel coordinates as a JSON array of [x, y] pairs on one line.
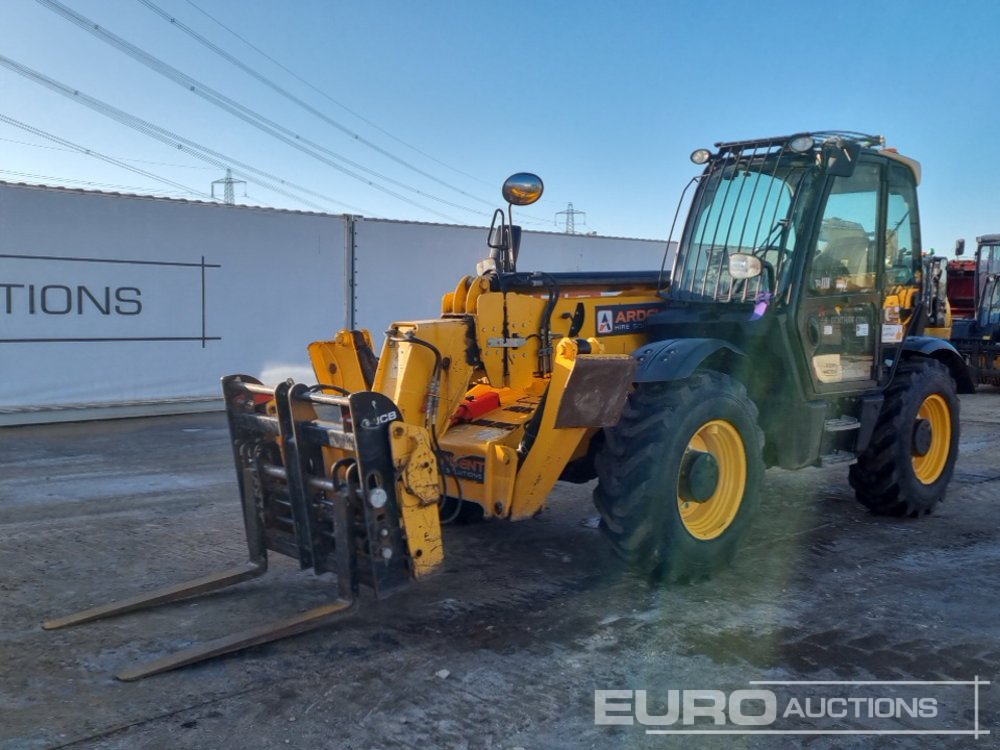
[[744, 266], [801, 143], [701, 156]]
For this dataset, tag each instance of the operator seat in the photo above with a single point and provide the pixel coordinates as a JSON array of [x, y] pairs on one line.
[[843, 256], [847, 256]]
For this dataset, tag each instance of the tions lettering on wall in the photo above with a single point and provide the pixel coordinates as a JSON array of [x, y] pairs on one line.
[[56, 299]]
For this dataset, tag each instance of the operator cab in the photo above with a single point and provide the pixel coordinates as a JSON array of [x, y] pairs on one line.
[[987, 284], [802, 236]]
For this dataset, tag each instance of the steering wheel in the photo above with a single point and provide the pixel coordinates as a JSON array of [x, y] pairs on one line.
[[782, 253], [782, 259]]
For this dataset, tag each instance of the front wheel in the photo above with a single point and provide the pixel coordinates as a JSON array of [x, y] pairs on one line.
[[907, 466], [679, 476]]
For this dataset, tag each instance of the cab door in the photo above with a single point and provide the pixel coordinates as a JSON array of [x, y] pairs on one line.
[[840, 312]]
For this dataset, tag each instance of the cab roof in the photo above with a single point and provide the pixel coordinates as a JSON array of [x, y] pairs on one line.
[[875, 143]]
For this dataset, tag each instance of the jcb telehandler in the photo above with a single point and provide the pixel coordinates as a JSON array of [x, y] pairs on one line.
[[781, 337]]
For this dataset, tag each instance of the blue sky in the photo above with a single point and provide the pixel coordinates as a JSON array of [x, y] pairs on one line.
[[604, 101]]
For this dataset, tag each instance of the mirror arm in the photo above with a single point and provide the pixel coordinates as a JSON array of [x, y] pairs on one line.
[[509, 260], [771, 276]]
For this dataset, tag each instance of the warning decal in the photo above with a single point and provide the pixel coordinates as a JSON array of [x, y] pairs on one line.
[[465, 467], [615, 320]]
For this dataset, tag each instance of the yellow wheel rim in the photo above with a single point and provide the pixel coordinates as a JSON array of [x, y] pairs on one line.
[[930, 466], [707, 520]]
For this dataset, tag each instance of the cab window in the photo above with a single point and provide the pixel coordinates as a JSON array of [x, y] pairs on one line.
[[846, 253], [902, 229]]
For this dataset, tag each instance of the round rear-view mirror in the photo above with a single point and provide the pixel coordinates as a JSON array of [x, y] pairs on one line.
[[522, 189]]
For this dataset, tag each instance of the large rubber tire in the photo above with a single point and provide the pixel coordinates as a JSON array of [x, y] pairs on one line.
[[890, 478], [640, 495]]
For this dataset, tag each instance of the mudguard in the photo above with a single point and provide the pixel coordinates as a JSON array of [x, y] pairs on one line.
[[676, 359], [946, 354]]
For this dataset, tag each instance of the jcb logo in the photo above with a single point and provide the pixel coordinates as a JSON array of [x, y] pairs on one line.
[[381, 419]]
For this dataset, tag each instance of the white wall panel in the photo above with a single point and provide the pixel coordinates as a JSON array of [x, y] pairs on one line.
[[107, 298], [402, 269]]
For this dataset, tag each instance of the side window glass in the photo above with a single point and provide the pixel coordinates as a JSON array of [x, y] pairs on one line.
[[993, 313], [902, 246], [989, 261], [846, 254]]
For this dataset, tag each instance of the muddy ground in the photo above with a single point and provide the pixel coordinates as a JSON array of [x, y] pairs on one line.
[[505, 648]]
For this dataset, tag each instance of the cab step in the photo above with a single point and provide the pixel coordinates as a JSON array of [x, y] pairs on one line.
[[837, 457], [840, 424]]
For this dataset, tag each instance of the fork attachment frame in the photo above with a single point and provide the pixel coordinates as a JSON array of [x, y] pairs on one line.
[[317, 483]]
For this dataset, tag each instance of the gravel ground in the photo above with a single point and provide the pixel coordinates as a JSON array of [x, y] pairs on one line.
[[506, 647]]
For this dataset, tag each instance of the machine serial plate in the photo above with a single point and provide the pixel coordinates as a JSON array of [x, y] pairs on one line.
[[511, 343]]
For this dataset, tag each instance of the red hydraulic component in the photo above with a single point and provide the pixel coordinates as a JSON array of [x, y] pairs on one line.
[[476, 406], [962, 288]]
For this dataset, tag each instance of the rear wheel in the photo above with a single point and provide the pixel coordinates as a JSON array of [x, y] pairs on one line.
[[907, 466], [679, 476]]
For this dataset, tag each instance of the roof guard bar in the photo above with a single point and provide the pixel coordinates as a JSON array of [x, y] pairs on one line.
[[865, 139]]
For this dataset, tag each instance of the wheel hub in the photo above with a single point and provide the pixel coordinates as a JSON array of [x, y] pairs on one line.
[[922, 437], [699, 477]]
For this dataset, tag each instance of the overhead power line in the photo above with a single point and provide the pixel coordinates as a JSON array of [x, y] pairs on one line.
[[122, 158], [329, 98], [98, 155], [296, 100], [48, 179], [248, 115], [203, 153]]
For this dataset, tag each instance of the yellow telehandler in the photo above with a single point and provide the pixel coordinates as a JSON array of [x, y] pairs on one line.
[[784, 335]]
